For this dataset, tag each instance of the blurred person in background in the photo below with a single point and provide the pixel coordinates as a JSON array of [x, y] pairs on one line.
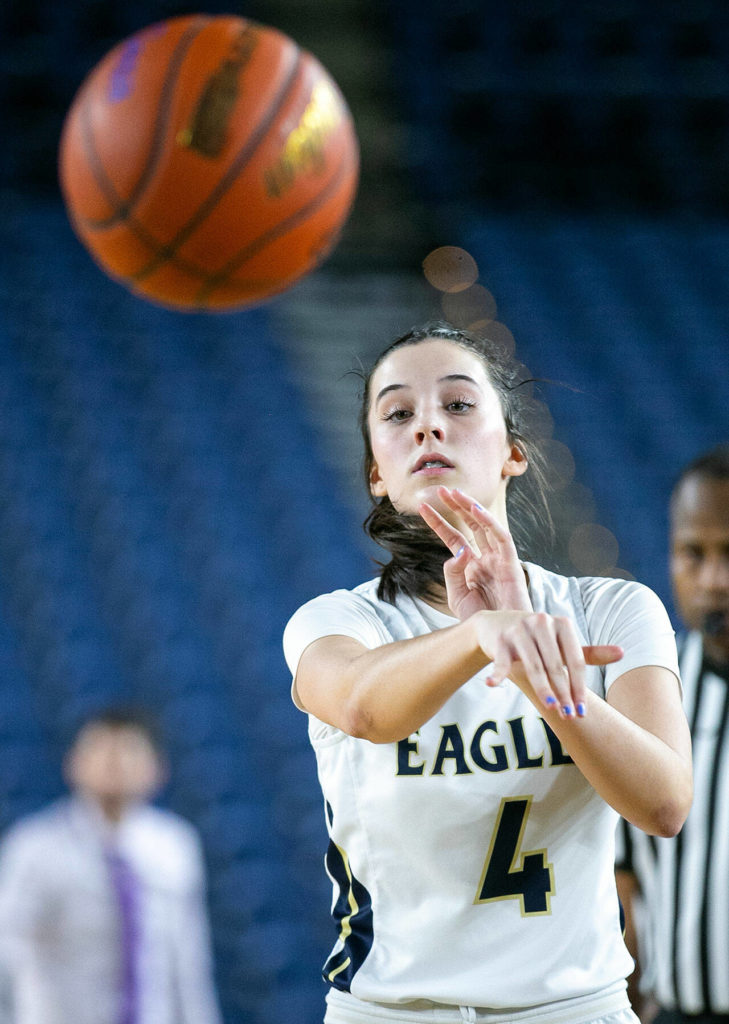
[[675, 892], [102, 896]]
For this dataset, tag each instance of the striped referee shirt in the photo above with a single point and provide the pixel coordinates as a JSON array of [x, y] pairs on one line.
[[684, 932]]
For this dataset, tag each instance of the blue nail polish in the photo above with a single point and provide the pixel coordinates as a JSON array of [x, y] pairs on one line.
[[567, 710], [479, 507], [550, 700], [581, 709], [460, 552]]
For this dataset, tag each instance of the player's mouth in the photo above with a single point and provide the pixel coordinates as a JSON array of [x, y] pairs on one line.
[[432, 464]]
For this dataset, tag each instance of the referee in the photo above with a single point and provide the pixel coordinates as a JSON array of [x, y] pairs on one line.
[[675, 892]]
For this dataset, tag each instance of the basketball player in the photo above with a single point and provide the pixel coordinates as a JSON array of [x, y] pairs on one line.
[[479, 723], [682, 884]]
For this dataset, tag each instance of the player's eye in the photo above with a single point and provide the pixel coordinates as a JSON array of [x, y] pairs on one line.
[[460, 405], [397, 415]]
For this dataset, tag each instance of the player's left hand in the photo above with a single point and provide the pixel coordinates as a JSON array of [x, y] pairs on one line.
[[484, 574]]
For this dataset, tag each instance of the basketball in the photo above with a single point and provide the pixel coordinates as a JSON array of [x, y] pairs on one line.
[[208, 163]]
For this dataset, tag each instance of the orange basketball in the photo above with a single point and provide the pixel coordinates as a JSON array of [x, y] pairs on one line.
[[208, 162]]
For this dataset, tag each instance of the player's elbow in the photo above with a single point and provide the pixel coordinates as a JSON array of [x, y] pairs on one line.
[[366, 718], [672, 821], [669, 815], [356, 721], [667, 825], [363, 724]]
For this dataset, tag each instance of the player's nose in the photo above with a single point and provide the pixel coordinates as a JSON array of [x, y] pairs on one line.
[[429, 425]]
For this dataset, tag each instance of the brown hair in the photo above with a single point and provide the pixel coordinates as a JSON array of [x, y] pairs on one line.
[[417, 555]]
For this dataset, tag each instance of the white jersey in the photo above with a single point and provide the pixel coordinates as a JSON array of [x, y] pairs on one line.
[[472, 863]]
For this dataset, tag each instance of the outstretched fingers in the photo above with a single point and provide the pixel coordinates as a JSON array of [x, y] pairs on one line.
[[602, 654], [488, 532], [451, 537]]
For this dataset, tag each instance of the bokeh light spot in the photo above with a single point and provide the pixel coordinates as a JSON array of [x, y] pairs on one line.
[[450, 269], [472, 309], [500, 335], [542, 421], [593, 549]]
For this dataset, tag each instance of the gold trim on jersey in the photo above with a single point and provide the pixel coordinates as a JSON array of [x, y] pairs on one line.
[[529, 869], [345, 927]]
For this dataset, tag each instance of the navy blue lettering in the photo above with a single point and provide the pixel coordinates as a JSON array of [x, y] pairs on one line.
[[451, 746], [520, 745], [500, 762], [404, 749]]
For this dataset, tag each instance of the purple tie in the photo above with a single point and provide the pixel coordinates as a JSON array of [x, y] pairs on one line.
[[126, 888]]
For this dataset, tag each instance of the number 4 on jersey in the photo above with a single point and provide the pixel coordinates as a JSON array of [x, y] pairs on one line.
[[508, 873]]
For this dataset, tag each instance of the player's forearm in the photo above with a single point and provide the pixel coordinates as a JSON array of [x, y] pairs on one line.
[[642, 777], [395, 688]]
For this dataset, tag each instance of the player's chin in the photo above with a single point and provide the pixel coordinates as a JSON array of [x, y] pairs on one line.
[[430, 494], [408, 504]]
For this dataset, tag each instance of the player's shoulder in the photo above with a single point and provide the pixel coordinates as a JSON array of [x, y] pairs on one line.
[[607, 597], [556, 587], [363, 595], [348, 611], [613, 586]]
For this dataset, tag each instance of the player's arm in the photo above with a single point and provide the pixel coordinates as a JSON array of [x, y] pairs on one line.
[[386, 693], [635, 749]]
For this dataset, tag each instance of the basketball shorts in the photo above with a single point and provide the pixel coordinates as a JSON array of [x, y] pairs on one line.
[[604, 1008]]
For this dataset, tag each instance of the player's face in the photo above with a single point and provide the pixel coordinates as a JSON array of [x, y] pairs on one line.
[[700, 560], [114, 765], [435, 419]]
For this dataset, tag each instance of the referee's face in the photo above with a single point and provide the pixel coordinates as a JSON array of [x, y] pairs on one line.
[[700, 560]]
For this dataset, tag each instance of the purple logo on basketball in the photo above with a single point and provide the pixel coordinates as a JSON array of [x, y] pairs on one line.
[[120, 84]]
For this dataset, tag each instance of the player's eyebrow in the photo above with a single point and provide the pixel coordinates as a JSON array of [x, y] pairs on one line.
[[448, 377]]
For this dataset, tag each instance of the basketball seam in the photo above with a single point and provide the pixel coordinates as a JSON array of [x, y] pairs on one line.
[[253, 248], [123, 207], [168, 252], [210, 281]]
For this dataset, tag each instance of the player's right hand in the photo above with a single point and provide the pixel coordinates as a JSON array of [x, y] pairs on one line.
[[484, 573]]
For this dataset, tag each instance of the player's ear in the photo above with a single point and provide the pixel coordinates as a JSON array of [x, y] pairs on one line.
[[516, 461], [377, 484]]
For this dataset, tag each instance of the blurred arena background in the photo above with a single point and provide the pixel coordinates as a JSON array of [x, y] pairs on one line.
[[173, 486]]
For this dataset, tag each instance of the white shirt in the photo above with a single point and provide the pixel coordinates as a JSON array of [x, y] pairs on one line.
[[60, 922], [472, 863]]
